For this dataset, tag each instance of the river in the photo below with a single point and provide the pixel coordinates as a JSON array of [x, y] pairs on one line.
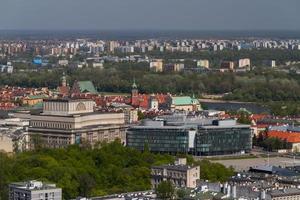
[[233, 106]]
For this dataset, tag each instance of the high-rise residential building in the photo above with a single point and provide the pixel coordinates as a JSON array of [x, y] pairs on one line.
[[126, 49], [34, 190], [112, 45], [227, 65], [156, 65], [203, 63], [72, 121], [269, 63], [245, 62], [174, 67]]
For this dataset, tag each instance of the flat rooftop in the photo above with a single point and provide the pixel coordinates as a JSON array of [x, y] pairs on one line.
[[284, 192], [174, 167], [161, 127], [33, 185], [221, 127], [66, 100], [77, 114]]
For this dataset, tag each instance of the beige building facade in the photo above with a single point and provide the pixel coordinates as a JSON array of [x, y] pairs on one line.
[[245, 62], [156, 65], [203, 63], [6, 143], [180, 174], [65, 122]]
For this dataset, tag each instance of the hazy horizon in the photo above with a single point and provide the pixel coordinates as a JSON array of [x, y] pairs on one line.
[[161, 15]]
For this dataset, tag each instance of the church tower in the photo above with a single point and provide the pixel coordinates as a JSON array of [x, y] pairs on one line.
[[134, 94], [64, 89]]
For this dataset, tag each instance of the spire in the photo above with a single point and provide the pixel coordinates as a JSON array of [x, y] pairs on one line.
[[134, 86]]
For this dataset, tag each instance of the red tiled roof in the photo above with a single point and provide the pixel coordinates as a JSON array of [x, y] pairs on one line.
[[262, 125], [257, 117], [293, 137]]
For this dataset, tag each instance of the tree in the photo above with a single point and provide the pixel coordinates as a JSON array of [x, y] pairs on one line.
[[4, 170], [274, 144], [104, 169], [181, 193], [141, 115], [214, 171], [165, 190], [244, 118], [86, 184], [37, 142]]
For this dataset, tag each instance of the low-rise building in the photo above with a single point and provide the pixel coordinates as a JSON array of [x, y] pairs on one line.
[[180, 174], [292, 138], [32, 100], [34, 190], [283, 194]]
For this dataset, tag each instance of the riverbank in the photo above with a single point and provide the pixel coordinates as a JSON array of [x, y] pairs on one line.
[[212, 104], [224, 101]]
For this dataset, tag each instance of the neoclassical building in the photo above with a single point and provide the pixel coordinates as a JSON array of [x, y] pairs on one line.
[[72, 121]]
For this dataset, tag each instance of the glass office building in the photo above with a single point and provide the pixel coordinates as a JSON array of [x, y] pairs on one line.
[[218, 138], [159, 139], [214, 140]]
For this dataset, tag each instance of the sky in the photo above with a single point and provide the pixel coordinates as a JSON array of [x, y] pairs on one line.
[[150, 14]]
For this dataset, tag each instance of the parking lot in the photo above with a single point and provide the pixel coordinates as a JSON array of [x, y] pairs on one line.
[[244, 164]]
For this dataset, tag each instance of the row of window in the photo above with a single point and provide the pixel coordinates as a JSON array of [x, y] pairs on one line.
[[51, 125]]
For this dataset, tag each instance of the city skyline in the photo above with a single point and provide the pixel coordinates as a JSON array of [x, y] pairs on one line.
[[152, 15]]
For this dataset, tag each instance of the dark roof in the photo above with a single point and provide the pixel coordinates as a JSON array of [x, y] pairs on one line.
[[173, 167], [284, 192], [274, 170]]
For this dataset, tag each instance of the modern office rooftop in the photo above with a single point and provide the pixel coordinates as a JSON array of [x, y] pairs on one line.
[[33, 185]]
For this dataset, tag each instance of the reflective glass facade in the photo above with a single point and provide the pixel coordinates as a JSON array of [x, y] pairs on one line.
[[227, 140], [209, 140], [167, 140]]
